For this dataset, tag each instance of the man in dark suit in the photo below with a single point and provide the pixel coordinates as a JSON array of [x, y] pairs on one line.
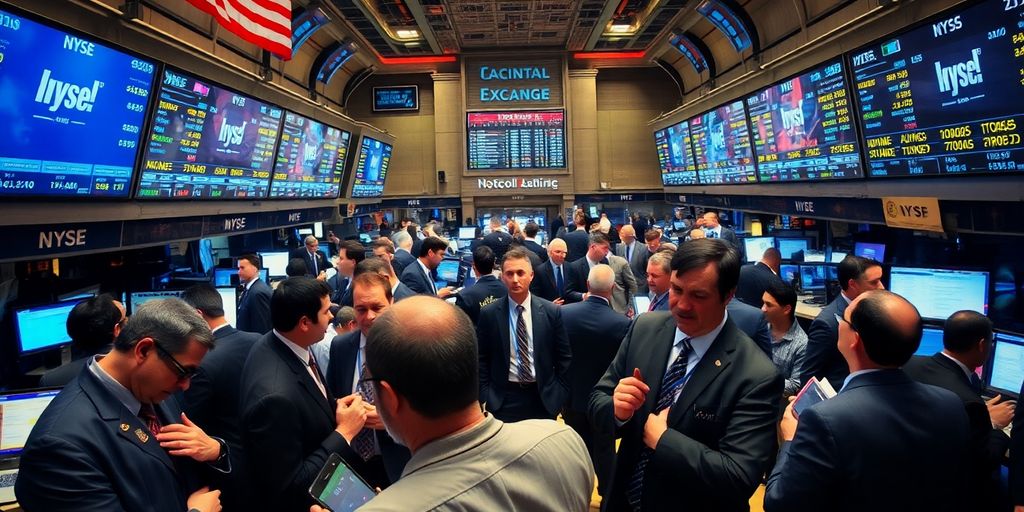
[[382, 459], [487, 289], [403, 258], [498, 239], [115, 437], [254, 297], [350, 253], [757, 278], [93, 324], [291, 421], [752, 322], [636, 254], [597, 253], [419, 276], [659, 280], [212, 398], [714, 229], [530, 242], [311, 256], [967, 342], [595, 333], [534, 386], [549, 278], [822, 359], [694, 401], [840, 454], [577, 240]]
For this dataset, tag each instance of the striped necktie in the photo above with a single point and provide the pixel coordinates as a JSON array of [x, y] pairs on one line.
[[363, 443], [524, 369]]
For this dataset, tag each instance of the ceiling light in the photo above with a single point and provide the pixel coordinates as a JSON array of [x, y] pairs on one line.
[[620, 28], [407, 33]]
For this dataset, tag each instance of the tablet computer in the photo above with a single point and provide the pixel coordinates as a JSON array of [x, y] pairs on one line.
[[338, 488]]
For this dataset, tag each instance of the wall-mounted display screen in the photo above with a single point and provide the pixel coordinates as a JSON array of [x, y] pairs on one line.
[[401, 97], [371, 168], [207, 142], [516, 140], [803, 128], [72, 112], [946, 97], [721, 146], [310, 159], [675, 155], [727, 22]]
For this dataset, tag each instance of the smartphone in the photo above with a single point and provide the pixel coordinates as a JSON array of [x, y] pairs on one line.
[[338, 488]]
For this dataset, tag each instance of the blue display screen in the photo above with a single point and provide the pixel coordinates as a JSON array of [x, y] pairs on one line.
[[372, 168], [402, 97], [72, 112], [675, 155], [43, 327], [335, 61], [310, 159], [689, 49], [727, 22], [931, 342], [305, 24]]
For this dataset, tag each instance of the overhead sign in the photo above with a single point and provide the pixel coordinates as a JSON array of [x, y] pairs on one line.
[[517, 183], [501, 83], [920, 213], [399, 97]]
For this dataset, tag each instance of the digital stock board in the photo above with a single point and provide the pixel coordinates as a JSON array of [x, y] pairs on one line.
[[516, 140]]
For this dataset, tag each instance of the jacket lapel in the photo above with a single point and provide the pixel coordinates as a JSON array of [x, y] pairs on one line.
[[540, 323], [302, 376], [503, 330], [714, 362], [661, 340], [349, 353]]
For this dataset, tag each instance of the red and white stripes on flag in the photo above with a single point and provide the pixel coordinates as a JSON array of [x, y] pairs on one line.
[[265, 23]]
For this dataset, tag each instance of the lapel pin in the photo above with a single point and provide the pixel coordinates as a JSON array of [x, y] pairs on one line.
[[124, 427], [718, 362], [144, 437]]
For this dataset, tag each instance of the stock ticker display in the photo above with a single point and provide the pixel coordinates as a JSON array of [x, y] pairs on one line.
[[946, 97], [310, 159], [72, 113], [516, 140], [803, 128], [675, 155], [207, 142], [721, 146], [371, 168]]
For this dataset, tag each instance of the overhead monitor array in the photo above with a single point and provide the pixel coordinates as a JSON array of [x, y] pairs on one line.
[[943, 97]]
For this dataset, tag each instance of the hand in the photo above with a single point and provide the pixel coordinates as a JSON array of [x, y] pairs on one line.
[[205, 500], [559, 301], [629, 395], [1018, 508], [787, 426], [1001, 412], [372, 418], [351, 415], [444, 292], [185, 439], [322, 276], [655, 427], [585, 296], [317, 508]]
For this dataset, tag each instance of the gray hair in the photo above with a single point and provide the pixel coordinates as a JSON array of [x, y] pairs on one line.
[[170, 322], [662, 259], [601, 279], [402, 239], [310, 240]]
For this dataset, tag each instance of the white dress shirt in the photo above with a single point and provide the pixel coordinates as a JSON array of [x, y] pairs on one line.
[[303, 355]]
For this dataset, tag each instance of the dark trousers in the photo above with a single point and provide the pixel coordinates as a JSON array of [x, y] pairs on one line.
[[601, 447], [522, 402]]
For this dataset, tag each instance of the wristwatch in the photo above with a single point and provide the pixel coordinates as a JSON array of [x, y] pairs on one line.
[[223, 452]]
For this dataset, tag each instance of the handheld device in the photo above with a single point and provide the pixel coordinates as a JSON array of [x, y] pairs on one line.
[[338, 488]]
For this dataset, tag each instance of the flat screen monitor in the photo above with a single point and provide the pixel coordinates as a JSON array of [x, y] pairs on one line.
[[721, 146], [803, 127], [229, 296], [641, 303], [789, 272], [833, 272], [938, 293], [945, 97], [371, 168], [137, 299], [516, 140], [467, 232], [208, 142], [675, 155], [19, 412], [813, 277], [448, 271], [398, 97], [74, 109], [931, 342], [1007, 368], [275, 262], [310, 159], [225, 277], [755, 246], [787, 246], [43, 327], [81, 293], [870, 251], [813, 256], [836, 256]]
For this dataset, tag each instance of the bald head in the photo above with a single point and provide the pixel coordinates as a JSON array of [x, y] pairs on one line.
[[601, 281], [627, 234], [888, 325], [773, 258]]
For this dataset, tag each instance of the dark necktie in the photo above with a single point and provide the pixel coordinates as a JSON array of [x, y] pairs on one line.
[[242, 290], [629, 252], [363, 443], [316, 374], [559, 282], [976, 384], [316, 271], [147, 413], [523, 370], [675, 378], [654, 304]]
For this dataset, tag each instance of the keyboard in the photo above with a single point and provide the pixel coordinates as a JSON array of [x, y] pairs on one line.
[[7, 479]]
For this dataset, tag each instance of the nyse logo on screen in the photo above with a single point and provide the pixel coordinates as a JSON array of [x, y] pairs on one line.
[[79, 46], [946, 26], [55, 93], [962, 74], [231, 135]]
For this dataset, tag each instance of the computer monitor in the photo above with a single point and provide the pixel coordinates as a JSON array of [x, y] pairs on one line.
[[1007, 367], [812, 277], [788, 246], [206, 255], [448, 271], [931, 342], [812, 256], [756, 245], [43, 327], [789, 272], [275, 262], [81, 293], [19, 412], [938, 293], [871, 251], [678, 225], [833, 272], [467, 232], [137, 299], [229, 295], [837, 256], [225, 277]]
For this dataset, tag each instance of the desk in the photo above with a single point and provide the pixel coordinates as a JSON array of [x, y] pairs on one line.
[[807, 311]]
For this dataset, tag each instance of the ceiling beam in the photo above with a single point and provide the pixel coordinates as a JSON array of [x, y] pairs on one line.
[[602, 22], [416, 8]]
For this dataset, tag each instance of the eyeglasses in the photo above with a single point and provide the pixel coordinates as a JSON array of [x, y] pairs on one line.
[[839, 318], [183, 373]]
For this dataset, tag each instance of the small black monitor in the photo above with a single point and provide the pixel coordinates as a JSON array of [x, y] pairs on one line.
[[1007, 367], [448, 271], [788, 246], [44, 327], [813, 277], [789, 272], [467, 232], [137, 299], [22, 409], [756, 246], [870, 251], [931, 342]]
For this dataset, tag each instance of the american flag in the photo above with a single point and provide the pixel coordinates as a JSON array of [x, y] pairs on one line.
[[265, 23]]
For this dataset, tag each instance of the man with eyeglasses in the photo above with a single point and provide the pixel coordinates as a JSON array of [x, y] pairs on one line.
[[115, 438]]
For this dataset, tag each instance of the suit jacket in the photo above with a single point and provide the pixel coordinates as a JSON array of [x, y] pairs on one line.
[[537, 249], [1017, 459], [499, 242], [401, 260], [254, 309], [576, 274], [625, 284], [594, 336], [416, 280], [340, 375], [730, 236], [988, 445], [577, 242], [211, 402], [543, 284], [822, 358], [321, 262], [89, 452], [721, 430], [752, 322], [754, 280], [551, 353], [637, 263], [487, 290], [288, 426], [338, 284], [401, 291], [62, 375], [843, 453]]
